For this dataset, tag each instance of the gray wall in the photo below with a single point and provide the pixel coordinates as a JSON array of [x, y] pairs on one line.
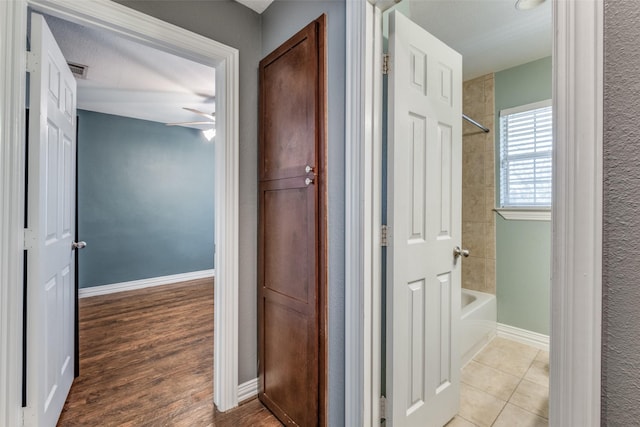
[[621, 246], [234, 25], [523, 248], [145, 199], [279, 22]]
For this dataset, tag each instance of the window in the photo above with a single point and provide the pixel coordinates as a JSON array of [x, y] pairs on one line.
[[526, 143]]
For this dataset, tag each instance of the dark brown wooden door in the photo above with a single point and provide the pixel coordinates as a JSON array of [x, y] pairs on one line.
[[292, 229]]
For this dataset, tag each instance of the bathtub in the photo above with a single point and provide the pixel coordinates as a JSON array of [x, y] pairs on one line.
[[478, 322]]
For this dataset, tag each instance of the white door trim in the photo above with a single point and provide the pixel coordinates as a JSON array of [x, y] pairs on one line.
[[12, 160], [576, 290], [363, 320], [150, 31], [577, 242]]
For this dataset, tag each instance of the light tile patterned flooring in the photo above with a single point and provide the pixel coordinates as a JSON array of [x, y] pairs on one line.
[[505, 385]]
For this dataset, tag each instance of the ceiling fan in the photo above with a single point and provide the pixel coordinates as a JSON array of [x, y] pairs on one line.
[[208, 133]]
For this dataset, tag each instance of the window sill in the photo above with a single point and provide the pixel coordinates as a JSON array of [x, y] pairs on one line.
[[524, 214]]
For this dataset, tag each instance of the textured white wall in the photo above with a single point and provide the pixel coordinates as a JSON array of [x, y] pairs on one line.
[[621, 245]]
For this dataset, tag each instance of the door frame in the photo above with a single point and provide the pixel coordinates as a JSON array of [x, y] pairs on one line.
[[152, 32], [576, 286]]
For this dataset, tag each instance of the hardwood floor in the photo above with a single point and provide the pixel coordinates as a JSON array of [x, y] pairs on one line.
[[146, 359]]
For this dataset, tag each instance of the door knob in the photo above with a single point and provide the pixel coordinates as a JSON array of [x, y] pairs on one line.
[[457, 252], [308, 181], [78, 245], [308, 169]]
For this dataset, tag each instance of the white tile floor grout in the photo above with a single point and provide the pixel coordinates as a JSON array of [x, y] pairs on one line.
[[505, 384]]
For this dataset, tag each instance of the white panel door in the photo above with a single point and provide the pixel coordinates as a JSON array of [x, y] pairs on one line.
[[424, 205], [51, 224]]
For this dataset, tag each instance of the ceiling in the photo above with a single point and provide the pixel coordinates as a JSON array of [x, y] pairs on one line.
[[257, 5], [491, 35], [128, 79]]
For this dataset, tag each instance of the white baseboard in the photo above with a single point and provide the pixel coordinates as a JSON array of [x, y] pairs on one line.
[[143, 283], [533, 339], [247, 390]]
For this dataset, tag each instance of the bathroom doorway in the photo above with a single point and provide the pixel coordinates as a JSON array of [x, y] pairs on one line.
[[496, 83]]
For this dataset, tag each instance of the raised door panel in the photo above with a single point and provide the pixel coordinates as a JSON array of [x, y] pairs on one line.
[[290, 379], [289, 254], [290, 104]]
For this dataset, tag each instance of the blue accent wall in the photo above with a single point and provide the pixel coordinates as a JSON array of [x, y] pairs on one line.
[[145, 199]]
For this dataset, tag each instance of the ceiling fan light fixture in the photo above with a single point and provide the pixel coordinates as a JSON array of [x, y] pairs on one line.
[[209, 134], [528, 4]]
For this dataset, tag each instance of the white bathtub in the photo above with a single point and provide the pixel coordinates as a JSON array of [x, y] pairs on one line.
[[478, 322]]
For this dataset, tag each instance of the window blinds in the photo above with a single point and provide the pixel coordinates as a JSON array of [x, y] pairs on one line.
[[526, 136]]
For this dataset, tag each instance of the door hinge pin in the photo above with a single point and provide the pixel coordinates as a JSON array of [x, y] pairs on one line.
[[385, 64], [384, 235], [383, 408]]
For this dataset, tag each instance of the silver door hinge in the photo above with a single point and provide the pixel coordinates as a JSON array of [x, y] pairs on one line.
[[384, 235], [29, 239], [32, 62], [385, 64], [383, 408]]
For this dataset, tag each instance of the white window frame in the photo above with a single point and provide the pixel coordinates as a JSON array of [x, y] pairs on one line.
[[509, 212]]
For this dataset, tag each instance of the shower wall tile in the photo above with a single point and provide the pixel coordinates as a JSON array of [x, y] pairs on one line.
[[474, 140], [473, 273], [468, 129], [490, 202], [474, 238], [473, 91], [489, 141], [478, 186], [489, 95], [489, 173], [473, 205], [473, 168]]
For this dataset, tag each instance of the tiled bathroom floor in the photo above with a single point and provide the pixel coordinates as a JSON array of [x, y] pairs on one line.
[[505, 385]]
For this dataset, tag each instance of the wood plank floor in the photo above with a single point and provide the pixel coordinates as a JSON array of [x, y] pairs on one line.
[[146, 359]]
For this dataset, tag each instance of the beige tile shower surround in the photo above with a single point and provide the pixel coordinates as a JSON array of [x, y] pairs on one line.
[[505, 385], [478, 187]]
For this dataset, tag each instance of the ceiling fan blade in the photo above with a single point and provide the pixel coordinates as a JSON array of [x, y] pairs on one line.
[[207, 98], [211, 116], [190, 123]]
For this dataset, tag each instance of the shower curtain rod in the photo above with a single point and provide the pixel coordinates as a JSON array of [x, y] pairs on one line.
[[473, 122]]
